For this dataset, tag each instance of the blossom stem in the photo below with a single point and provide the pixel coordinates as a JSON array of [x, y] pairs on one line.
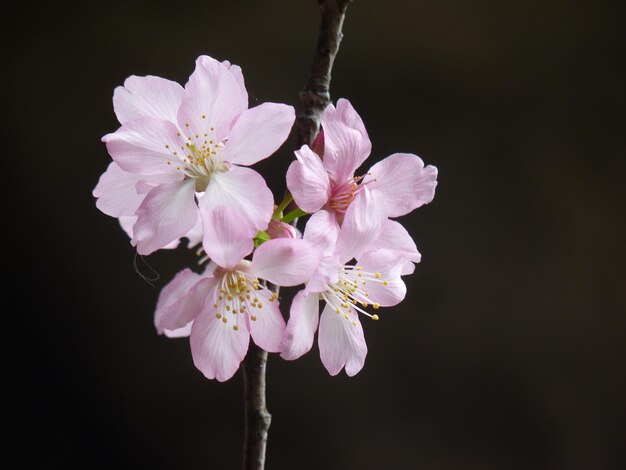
[[316, 94], [278, 213], [293, 215], [257, 418]]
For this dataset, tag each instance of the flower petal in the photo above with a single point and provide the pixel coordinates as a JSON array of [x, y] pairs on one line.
[[326, 273], [362, 224], [218, 349], [147, 97], [341, 342], [307, 180], [266, 323], [258, 133], [181, 300], [395, 237], [404, 181], [285, 261], [183, 332], [141, 146], [237, 74], [167, 213], [225, 238], [213, 92], [346, 143], [245, 191], [303, 320], [322, 230], [116, 192], [389, 290]]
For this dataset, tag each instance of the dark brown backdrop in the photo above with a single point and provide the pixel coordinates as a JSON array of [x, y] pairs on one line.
[[509, 349]]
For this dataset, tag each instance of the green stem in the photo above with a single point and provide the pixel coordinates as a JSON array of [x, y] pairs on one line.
[[294, 214], [281, 207]]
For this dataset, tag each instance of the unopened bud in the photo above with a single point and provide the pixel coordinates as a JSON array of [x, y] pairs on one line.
[[280, 229]]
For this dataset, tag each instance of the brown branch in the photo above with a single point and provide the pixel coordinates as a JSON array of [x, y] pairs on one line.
[[314, 97], [257, 418], [316, 94]]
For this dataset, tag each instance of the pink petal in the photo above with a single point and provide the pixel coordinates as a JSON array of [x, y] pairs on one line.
[[341, 342], [362, 224], [258, 133], [404, 181], [326, 273], [407, 268], [285, 261], [245, 191], [395, 237], [218, 349], [167, 213], [266, 323], [322, 230], [237, 74], [194, 236], [346, 142], [303, 320], [181, 300], [127, 222], [213, 92], [183, 332], [147, 97], [226, 239], [307, 180], [116, 192], [139, 146], [389, 265]]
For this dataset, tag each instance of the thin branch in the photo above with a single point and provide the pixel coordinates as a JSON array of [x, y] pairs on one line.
[[314, 97], [316, 94], [257, 418]]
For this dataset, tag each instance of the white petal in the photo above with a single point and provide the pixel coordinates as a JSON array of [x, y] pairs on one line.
[[303, 320], [341, 342], [147, 97]]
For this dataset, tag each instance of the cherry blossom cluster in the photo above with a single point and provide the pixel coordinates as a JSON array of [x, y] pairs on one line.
[[180, 170]]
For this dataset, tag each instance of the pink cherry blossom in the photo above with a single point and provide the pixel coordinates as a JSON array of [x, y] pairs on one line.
[[346, 289], [188, 150], [330, 182], [230, 303]]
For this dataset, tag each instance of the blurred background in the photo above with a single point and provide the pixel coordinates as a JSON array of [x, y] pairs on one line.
[[509, 351]]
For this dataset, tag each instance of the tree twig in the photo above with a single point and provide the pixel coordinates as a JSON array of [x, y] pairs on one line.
[[257, 418], [314, 98], [316, 93]]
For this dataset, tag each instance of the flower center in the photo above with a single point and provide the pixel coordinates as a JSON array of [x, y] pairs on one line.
[[350, 292], [197, 156], [239, 293], [343, 194]]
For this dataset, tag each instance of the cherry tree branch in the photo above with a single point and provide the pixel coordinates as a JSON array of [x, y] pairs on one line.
[[257, 418], [314, 98], [316, 94]]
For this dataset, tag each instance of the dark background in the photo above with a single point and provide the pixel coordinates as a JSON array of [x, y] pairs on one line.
[[509, 351]]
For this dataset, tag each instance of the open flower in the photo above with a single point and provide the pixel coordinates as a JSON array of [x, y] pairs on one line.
[[330, 183], [189, 148], [346, 289], [224, 307]]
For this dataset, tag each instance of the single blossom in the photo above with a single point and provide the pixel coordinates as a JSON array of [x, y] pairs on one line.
[[330, 183], [222, 308], [347, 289], [188, 150]]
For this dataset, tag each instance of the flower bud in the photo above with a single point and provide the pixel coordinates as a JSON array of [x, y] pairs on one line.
[[280, 229]]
